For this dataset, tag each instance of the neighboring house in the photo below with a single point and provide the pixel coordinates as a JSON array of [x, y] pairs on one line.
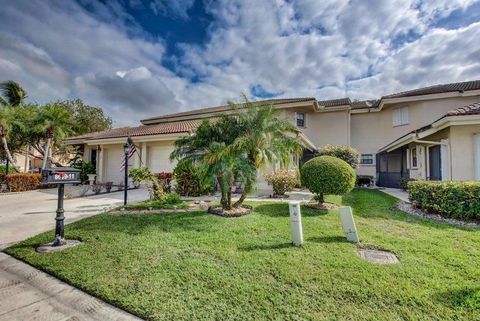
[[429, 133]]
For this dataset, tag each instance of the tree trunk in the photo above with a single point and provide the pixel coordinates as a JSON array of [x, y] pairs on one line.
[[45, 154], [246, 189], [321, 199], [7, 151]]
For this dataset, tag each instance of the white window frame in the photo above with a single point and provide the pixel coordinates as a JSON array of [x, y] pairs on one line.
[[367, 164], [304, 119], [400, 116]]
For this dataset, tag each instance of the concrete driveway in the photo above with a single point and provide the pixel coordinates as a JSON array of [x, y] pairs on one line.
[[23, 215]]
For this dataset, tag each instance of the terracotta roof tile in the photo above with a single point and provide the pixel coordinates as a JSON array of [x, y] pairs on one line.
[[365, 104], [335, 102], [144, 130], [473, 109], [438, 89]]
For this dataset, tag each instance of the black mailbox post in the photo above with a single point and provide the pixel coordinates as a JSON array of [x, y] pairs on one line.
[[60, 176]]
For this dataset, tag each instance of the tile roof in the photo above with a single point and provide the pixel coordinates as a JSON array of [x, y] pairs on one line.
[[227, 107], [472, 109], [335, 102], [438, 89], [365, 104], [144, 130]]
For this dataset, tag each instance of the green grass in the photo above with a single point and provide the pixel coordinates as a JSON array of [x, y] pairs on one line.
[[157, 205], [196, 266]]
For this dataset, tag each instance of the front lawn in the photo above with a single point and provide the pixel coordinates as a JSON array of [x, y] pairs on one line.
[[196, 266]]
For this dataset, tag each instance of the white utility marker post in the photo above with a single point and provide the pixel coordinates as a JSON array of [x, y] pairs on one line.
[[348, 224], [296, 222]]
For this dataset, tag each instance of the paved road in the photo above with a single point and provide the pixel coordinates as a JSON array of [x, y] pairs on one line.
[[23, 215], [28, 294]]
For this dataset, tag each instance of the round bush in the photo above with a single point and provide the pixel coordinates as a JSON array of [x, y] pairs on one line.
[[346, 153], [326, 175]]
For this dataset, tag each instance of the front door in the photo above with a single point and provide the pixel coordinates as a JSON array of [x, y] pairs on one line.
[[435, 163]]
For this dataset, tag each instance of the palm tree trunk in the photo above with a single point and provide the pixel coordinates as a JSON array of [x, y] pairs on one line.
[[7, 151], [45, 154], [246, 190]]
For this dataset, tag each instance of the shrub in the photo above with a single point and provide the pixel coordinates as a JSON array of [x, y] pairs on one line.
[[364, 180], [23, 182], [325, 175], [189, 180], [282, 181], [143, 175], [449, 199], [85, 169], [404, 183], [345, 153], [165, 179]]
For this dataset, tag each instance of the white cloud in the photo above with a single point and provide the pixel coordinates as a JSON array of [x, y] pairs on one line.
[[325, 49]]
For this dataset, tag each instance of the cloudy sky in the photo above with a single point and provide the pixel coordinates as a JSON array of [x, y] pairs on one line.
[[140, 58]]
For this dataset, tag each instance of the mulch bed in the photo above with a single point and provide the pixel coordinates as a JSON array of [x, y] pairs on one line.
[[410, 209], [234, 212], [323, 206]]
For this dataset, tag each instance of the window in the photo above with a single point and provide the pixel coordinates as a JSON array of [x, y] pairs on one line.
[[366, 159], [414, 157], [400, 116], [300, 119]]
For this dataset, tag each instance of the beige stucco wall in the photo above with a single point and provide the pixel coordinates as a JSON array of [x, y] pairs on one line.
[[371, 131], [462, 151], [323, 127]]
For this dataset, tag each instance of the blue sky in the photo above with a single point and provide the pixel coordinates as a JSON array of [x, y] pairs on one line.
[[139, 58]]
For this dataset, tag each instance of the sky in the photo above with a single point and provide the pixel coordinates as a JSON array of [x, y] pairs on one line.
[[139, 59]]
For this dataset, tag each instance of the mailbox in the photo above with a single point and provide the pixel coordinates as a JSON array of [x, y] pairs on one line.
[[61, 175]]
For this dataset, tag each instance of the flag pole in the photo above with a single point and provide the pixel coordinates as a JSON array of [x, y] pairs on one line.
[[126, 148]]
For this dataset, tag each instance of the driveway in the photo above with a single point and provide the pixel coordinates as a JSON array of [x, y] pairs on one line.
[[23, 215]]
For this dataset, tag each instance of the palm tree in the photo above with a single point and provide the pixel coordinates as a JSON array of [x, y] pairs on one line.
[[5, 121], [56, 123], [12, 93], [264, 138], [207, 148]]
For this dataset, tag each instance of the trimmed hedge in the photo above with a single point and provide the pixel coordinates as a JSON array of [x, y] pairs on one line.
[[326, 175], [23, 182], [449, 199]]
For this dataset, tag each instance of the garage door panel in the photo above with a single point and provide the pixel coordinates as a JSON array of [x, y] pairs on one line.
[[158, 159], [113, 160]]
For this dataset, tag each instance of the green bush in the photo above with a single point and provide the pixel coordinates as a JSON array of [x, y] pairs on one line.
[[85, 169], [449, 199], [326, 175], [345, 153], [189, 180], [151, 181], [404, 183]]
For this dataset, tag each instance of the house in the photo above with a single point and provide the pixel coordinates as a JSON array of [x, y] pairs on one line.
[[427, 133]]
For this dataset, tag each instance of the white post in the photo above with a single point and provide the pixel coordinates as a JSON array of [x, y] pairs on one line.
[[476, 158], [348, 224], [296, 223]]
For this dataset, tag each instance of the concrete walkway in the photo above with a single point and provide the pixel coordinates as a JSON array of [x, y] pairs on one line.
[[29, 294], [397, 193], [23, 215]]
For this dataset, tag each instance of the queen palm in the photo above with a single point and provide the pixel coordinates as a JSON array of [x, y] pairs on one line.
[[5, 122], [264, 138], [12, 93], [55, 123], [207, 148]]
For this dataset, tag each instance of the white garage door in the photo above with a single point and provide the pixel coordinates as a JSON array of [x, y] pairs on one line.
[[158, 158], [112, 160]]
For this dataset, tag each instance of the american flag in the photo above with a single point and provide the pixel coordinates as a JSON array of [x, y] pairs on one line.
[[132, 151]]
